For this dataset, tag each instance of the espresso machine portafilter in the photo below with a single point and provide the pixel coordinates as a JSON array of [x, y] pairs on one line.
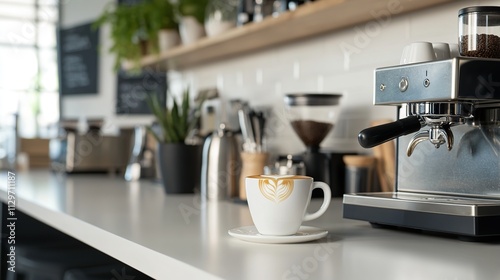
[[448, 142]]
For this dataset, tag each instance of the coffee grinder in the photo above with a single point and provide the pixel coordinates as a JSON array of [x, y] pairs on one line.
[[312, 117], [448, 138]]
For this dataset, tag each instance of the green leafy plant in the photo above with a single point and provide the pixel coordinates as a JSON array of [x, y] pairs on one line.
[[134, 28], [161, 14], [195, 8], [128, 33], [176, 122]]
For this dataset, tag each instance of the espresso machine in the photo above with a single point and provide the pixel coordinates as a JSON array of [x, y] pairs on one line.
[[448, 140]]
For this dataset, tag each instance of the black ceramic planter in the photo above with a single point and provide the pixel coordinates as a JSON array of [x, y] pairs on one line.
[[180, 167]]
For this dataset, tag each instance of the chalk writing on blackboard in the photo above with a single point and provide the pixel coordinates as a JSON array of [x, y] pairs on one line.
[[79, 60], [133, 89]]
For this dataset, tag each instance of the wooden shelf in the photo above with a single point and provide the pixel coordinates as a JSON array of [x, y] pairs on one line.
[[308, 20]]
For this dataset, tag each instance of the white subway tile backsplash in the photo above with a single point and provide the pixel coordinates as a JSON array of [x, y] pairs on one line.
[[439, 24], [323, 64], [483, 3], [304, 85]]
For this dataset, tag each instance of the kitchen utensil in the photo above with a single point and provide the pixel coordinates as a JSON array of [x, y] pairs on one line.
[[257, 128], [252, 124], [247, 129]]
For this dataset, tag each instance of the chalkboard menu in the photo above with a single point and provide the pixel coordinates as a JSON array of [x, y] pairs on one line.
[[133, 89], [78, 60]]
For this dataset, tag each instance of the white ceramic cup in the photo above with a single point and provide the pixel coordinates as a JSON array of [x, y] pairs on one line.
[[454, 52], [418, 52], [442, 50], [278, 203]]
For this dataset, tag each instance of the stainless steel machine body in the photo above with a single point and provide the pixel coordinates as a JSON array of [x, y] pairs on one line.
[[448, 148], [91, 152]]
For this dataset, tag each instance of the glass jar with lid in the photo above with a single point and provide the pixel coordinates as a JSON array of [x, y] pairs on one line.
[[479, 31], [220, 16]]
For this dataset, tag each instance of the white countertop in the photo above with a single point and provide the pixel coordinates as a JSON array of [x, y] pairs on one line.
[[178, 237]]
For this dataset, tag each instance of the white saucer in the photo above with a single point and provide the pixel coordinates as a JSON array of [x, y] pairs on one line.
[[305, 234]]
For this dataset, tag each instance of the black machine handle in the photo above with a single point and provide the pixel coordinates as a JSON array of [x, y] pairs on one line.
[[373, 136]]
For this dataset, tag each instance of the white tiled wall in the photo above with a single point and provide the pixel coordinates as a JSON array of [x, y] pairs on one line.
[[324, 64], [341, 61]]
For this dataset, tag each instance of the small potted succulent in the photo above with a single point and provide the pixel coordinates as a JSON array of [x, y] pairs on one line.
[[179, 161]]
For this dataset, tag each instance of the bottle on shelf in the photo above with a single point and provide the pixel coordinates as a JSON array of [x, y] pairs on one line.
[[294, 4], [245, 12], [262, 9]]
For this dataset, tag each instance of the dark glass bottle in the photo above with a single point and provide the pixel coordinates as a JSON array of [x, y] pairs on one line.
[[293, 4], [245, 12], [262, 9]]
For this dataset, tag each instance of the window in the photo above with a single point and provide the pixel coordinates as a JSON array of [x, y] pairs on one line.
[[28, 65]]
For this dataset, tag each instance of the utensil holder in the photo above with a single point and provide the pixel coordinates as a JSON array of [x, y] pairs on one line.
[[359, 174], [252, 164]]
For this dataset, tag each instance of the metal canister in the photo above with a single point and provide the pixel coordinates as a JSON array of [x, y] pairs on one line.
[[287, 167], [359, 174]]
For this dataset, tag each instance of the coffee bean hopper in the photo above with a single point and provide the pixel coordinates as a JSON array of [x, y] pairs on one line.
[[312, 117], [448, 138]]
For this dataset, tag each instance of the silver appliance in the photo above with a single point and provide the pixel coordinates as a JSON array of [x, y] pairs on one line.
[[91, 152], [221, 163], [448, 148]]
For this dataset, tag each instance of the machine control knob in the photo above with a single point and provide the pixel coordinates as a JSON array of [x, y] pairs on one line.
[[403, 84], [427, 83]]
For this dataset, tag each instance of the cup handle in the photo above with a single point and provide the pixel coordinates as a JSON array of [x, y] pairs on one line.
[[327, 197]]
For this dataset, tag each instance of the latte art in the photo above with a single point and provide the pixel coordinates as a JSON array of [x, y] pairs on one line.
[[276, 190], [273, 207]]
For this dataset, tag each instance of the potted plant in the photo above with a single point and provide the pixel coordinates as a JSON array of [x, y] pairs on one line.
[[162, 23], [129, 34], [139, 29], [179, 162], [191, 15]]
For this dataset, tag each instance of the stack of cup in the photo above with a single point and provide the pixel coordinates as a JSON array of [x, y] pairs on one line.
[[253, 163]]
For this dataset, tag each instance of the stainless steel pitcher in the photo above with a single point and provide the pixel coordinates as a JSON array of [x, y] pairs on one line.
[[221, 165]]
